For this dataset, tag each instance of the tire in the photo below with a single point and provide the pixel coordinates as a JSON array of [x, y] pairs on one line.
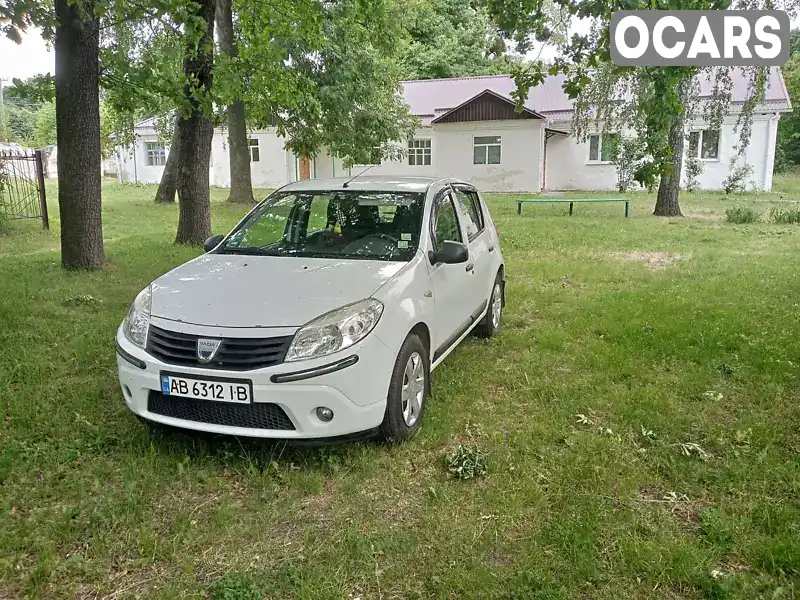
[[491, 325], [399, 423]]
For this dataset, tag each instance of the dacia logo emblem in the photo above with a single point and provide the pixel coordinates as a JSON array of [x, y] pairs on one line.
[[207, 350]]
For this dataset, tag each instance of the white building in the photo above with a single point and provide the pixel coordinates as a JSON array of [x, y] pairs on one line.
[[469, 129]]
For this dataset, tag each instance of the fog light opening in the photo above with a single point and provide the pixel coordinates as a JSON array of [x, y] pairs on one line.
[[324, 414], [127, 391]]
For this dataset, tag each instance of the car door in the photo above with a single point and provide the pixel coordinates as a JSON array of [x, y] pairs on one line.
[[452, 284], [479, 242]]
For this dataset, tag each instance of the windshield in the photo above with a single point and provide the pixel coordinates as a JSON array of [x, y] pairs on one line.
[[340, 224]]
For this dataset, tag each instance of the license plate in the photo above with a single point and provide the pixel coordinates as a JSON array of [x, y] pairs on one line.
[[207, 389]]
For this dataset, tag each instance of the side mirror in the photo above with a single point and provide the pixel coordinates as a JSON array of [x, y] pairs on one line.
[[451, 253], [213, 242]]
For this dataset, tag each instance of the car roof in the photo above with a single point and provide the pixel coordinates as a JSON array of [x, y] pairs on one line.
[[371, 183]]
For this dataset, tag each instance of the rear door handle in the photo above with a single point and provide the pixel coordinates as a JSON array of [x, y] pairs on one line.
[[491, 248], [470, 266]]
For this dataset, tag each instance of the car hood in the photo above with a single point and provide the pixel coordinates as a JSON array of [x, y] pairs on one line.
[[264, 291]]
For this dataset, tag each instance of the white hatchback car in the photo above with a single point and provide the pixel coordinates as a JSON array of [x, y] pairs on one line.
[[321, 315]]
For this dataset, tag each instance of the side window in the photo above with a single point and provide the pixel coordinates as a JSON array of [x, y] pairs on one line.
[[471, 209], [445, 224]]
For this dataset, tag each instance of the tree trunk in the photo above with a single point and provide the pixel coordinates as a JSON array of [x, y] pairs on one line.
[[77, 84], [238, 146], [669, 187], [195, 134], [194, 221], [169, 178]]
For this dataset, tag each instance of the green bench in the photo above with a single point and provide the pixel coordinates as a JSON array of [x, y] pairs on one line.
[[572, 201]]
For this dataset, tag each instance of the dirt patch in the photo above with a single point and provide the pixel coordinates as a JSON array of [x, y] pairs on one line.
[[656, 261], [496, 559]]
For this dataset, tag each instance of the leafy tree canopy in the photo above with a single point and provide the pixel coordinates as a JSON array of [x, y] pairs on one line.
[[645, 99], [450, 38], [788, 143]]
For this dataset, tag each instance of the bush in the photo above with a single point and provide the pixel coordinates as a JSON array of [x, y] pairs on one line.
[[693, 169], [466, 461], [736, 181], [741, 214], [626, 153], [784, 216]]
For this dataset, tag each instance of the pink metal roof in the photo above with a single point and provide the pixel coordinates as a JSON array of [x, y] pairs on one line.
[[429, 97]]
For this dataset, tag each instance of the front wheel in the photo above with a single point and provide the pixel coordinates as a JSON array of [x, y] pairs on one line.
[[494, 313], [408, 391]]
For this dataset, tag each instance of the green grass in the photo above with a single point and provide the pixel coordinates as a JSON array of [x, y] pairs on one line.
[[740, 215], [639, 412]]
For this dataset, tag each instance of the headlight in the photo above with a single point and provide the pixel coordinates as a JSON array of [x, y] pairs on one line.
[[335, 330], [137, 321]]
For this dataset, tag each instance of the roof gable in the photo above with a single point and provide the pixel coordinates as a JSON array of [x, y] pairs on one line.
[[486, 106]]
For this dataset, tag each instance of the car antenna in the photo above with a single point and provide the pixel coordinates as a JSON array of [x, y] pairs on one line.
[[347, 183]]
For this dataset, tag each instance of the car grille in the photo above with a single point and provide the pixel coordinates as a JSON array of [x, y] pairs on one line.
[[234, 354], [258, 415]]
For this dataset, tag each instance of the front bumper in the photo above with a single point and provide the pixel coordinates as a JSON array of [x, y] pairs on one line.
[[355, 390]]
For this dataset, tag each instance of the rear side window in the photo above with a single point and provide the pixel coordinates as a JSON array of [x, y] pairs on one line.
[[471, 207]]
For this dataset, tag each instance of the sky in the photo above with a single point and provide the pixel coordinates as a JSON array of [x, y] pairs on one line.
[[27, 59], [34, 56]]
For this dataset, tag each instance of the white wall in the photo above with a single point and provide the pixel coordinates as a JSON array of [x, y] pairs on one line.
[[520, 154], [274, 168], [133, 167], [325, 166], [568, 167], [520, 169], [760, 153]]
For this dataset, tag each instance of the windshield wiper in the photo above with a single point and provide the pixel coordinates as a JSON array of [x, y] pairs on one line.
[[249, 250]]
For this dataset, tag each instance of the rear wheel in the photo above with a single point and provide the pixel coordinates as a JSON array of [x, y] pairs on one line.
[[494, 312], [408, 391]]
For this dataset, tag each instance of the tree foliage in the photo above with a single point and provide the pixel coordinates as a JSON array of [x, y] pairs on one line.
[[325, 74], [450, 38], [650, 101], [45, 128], [787, 151], [22, 100]]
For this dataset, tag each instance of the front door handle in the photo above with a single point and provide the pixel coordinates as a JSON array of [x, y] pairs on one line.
[[470, 266], [491, 248]]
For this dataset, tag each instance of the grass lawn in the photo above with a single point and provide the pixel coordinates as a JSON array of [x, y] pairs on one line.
[[640, 411]]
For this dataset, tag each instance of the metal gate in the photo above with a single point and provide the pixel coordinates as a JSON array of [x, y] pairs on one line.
[[22, 192]]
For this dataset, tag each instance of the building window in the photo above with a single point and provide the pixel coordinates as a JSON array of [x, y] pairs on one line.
[[704, 144], [601, 147], [419, 152], [486, 150], [156, 154], [255, 156]]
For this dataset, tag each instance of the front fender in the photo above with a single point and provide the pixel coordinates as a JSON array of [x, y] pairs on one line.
[[406, 304]]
